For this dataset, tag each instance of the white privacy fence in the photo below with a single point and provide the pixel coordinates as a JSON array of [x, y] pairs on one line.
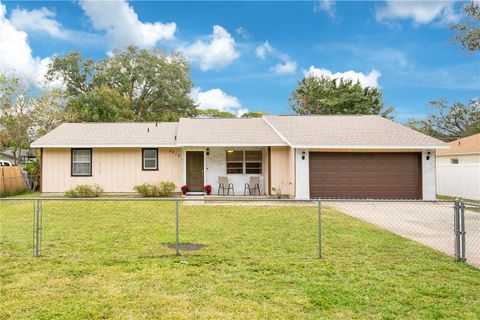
[[459, 180]]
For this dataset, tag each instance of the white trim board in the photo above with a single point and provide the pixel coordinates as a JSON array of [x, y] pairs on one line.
[[143, 145], [231, 145], [459, 154], [371, 146]]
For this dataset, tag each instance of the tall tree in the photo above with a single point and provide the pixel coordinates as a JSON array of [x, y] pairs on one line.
[[214, 113], [323, 95], [450, 122], [48, 112], [15, 115], [74, 71], [467, 31], [254, 114], [151, 85], [101, 104], [24, 117]]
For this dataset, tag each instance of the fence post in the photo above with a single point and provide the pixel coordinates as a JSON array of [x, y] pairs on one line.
[[177, 247], [462, 231], [37, 228], [319, 209], [456, 229], [34, 226]]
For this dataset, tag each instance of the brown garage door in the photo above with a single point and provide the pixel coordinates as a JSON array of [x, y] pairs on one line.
[[365, 175]]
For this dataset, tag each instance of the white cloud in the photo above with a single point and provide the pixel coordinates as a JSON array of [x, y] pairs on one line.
[[217, 52], [217, 99], [286, 67], [262, 50], [421, 12], [122, 26], [241, 31], [38, 20], [366, 80], [327, 6], [16, 54]]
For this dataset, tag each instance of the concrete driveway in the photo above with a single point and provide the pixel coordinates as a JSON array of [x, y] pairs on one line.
[[430, 224]]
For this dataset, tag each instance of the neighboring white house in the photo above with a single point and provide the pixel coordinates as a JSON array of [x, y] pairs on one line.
[[350, 156], [458, 169]]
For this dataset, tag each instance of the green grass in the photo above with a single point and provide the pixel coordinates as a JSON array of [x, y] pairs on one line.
[[111, 260], [471, 208]]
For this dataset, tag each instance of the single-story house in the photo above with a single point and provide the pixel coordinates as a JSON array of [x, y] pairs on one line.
[[458, 169], [348, 156]]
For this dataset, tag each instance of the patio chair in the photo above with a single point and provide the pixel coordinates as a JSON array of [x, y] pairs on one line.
[[224, 185], [253, 185]]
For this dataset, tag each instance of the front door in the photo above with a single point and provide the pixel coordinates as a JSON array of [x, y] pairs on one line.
[[195, 170]]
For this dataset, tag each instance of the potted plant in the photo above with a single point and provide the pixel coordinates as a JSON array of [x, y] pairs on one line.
[[184, 190], [207, 189]]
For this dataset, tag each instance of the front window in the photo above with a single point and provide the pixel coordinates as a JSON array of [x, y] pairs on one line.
[[244, 162], [454, 160], [234, 162], [150, 159], [253, 162], [81, 162]]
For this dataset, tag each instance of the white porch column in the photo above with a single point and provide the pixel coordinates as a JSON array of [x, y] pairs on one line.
[[302, 175], [184, 167], [429, 177]]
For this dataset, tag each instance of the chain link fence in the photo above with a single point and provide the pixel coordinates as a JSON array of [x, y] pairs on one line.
[[259, 228], [471, 232]]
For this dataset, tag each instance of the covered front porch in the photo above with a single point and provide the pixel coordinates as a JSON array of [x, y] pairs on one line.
[[204, 166]]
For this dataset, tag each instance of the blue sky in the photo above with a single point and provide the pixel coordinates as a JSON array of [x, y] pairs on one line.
[[250, 55]]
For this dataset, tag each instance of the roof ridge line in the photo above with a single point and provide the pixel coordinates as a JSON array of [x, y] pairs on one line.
[[275, 130]]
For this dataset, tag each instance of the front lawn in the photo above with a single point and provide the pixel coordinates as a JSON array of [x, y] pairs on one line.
[[112, 260]]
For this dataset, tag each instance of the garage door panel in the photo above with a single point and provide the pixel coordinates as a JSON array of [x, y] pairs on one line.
[[365, 175]]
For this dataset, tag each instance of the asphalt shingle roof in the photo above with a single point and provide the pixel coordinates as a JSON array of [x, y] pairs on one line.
[[348, 131], [110, 134], [227, 132], [356, 131], [467, 145]]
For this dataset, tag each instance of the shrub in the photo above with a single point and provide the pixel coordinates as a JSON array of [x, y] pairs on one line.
[[165, 189], [84, 191], [144, 189]]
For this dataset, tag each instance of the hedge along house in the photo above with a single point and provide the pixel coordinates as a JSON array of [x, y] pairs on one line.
[[303, 156]]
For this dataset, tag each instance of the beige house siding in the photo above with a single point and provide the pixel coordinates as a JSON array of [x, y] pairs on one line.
[[291, 170], [116, 170], [265, 170], [282, 169]]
